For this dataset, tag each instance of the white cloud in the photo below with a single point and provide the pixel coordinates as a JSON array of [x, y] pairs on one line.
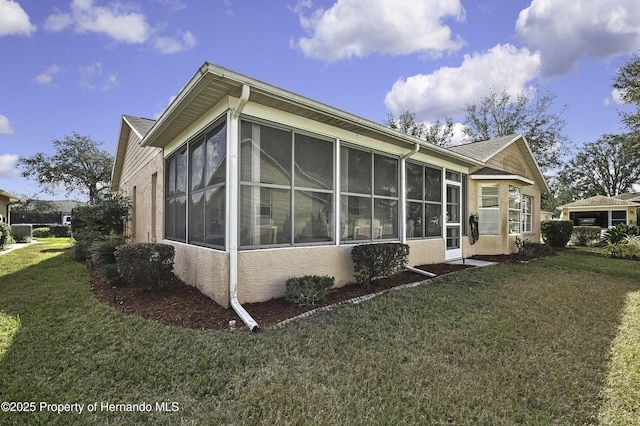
[[357, 28], [46, 78], [564, 31], [5, 127], [168, 45], [446, 91], [115, 20], [616, 97], [92, 77], [8, 165], [14, 20]]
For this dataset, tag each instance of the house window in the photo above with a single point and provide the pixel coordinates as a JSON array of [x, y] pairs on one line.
[[286, 187], [424, 201], [369, 195], [527, 214], [489, 210], [196, 190], [515, 209]]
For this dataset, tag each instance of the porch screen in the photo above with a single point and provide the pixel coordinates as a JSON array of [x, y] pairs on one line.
[[286, 187], [195, 190], [424, 201], [369, 195]]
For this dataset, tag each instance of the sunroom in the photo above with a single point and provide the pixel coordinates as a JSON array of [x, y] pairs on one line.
[[253, 184]]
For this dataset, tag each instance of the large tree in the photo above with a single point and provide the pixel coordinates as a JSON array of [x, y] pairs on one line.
[[501, 114], [77, 165], [436, 133], [627, 82], [608, 166]]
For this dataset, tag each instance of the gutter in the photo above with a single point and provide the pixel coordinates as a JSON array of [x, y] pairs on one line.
[[232, 180]]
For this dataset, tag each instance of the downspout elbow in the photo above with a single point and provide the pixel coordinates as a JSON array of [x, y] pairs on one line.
[[242, 101]]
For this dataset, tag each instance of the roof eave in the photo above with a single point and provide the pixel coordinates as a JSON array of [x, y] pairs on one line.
[[209, 73]]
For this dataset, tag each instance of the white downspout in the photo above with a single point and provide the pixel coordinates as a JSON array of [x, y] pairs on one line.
[[232, 190], [403, 207]]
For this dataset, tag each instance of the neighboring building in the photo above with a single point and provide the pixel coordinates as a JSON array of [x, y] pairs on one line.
[[6, 199], [603, 211], [253, 184], [46, 212]]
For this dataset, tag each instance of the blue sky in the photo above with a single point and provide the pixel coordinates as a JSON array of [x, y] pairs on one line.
[[78, 65]]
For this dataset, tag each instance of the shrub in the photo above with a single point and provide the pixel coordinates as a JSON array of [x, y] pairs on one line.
[[5, 235], [41, 232], [556, 233], [21, 232], [530, 249], [103, 252], [145, 264], [619, 232], [61, 230], [83, 240], [628, 248], [373, 261], [583, 235], [107, 215], [308, 290]]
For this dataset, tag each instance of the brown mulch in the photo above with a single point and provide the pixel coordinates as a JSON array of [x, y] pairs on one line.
[[185, 306]]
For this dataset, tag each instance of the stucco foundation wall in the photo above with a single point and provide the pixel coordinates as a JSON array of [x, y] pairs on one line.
[[423, 252], [262, 273], [203, 268]]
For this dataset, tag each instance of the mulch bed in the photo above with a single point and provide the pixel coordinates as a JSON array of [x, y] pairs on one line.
[[185, 306]]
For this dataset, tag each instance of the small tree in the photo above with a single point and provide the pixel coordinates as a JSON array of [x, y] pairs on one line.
[[503, 114], [77, 164], [437, 133]]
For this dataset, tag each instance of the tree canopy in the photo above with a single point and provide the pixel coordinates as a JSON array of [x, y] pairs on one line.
[[503, 114], [437, 133], [77, 165], [627, 82], [608, 166]]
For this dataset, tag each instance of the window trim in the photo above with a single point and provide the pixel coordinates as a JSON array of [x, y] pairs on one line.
[[493, 208]]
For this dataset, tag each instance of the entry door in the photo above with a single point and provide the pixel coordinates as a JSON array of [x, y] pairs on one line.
[[453, 224]]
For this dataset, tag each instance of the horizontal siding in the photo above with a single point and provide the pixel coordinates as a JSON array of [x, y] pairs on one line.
[[510, 160], [136, 157]]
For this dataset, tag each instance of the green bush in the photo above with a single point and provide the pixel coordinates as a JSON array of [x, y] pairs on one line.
[[21, 233], [61, 231], [146, 265], [628, 248], [374, 261], [5, 235], [103, 252], [528, 248], [107, 215], [619, 232], [83, 240], [583, 235], [556, 233], [44, 232], [308, 290]]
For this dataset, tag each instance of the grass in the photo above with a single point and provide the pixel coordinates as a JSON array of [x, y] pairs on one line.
[[554, 341]]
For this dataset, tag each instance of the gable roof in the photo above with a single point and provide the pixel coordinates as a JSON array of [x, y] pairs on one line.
[[628, 196], [600, 201], [485, 150], [213, 83], [140, 127]]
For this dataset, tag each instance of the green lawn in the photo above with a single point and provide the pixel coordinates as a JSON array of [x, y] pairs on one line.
[[555, 341]]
